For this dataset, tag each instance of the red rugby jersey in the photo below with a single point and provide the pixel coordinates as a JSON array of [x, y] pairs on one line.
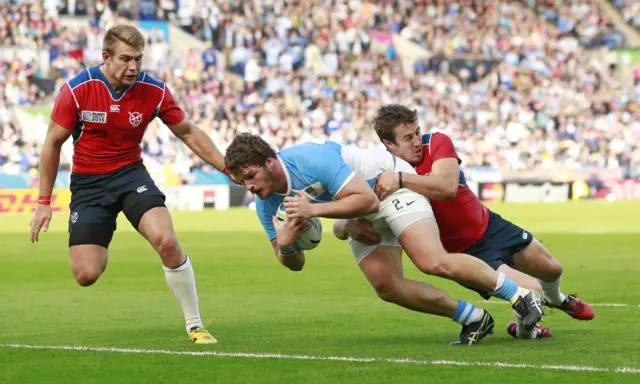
[[108, 126], [463, 220]]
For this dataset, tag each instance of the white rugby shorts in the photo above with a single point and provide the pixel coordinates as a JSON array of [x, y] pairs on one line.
[[397, 212]]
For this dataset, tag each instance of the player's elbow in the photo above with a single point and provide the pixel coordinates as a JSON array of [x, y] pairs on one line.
[[339, 229], [448, 190], [54, 143], [183, 130], [295, 267], [449, 193], [294, 263]]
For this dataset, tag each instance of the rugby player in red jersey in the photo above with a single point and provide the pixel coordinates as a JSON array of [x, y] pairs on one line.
[[107, 109], [465, 224]]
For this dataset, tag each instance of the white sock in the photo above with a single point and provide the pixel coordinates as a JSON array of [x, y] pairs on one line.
[[521, 292], [476, 315], [552, 291], [182, 283], [521, 331]]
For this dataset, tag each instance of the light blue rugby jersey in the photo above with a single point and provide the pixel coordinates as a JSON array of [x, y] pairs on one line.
[[320, 171]]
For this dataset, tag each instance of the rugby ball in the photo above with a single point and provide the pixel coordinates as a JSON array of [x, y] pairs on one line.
[[310, 237]]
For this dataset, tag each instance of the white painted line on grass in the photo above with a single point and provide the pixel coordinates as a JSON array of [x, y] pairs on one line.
[[578, 368], [609, 305], [592, 304]]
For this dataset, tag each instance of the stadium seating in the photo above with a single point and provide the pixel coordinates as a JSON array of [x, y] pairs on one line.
[[518, 85]]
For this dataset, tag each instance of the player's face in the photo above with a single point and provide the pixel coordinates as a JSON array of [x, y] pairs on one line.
[[125, 64], [408, 145], [259, 180]]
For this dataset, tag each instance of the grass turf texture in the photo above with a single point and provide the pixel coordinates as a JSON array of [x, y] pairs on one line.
[[328, 309]]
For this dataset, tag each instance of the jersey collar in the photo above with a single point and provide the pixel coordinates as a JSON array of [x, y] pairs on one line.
[[116, 96], [286, 174]]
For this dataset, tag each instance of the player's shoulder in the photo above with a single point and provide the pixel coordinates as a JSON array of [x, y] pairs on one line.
[[298, 152], [310, 149], [80, 79], [145, 80], [311, 154], [434, 138]]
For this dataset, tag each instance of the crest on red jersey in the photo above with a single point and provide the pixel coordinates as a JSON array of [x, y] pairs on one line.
[[135, 118]]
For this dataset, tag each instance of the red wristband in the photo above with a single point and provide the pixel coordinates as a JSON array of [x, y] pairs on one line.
[[225, 171], [44, 200]]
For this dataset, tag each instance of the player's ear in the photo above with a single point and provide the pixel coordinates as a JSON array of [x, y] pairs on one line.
[[270, 163], [105, 56]]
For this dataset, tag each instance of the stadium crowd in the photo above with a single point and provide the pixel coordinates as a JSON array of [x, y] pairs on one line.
[[630, 11], [516, 84]]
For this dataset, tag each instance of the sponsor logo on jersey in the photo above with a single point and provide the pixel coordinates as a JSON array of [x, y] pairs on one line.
[[94, 117], [135, 118], [314, 190], [115, 108]]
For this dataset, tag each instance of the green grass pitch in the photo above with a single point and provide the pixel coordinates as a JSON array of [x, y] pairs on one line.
[[327, 311]]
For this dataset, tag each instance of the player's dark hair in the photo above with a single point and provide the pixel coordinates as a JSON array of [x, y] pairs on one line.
[[246, 150], [389, 117]]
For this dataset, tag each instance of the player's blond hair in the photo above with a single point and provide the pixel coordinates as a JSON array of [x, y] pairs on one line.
[[123, 33]]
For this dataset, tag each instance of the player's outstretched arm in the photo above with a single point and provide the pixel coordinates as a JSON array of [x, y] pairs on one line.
[[199, 142], [49, 163]]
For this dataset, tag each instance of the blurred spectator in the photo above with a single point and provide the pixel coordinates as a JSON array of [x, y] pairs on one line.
[[518, 85], [630, 11]]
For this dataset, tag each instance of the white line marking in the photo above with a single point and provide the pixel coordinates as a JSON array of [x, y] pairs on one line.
[[609, 305], [592, 304], [580, 368]]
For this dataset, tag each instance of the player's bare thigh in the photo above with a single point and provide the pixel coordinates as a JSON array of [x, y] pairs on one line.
[[157, 227], [410, 219], [535, 260]]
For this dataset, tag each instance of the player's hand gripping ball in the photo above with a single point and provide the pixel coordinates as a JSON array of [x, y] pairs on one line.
[[310, 237]]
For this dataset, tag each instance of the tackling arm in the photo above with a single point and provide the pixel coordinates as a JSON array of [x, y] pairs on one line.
[[441, 184]]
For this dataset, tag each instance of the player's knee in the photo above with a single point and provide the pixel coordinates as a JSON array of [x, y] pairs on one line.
[[556, 270], [385, 288], [87, 276], [432, 261], [435, 267], [168, 248]]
